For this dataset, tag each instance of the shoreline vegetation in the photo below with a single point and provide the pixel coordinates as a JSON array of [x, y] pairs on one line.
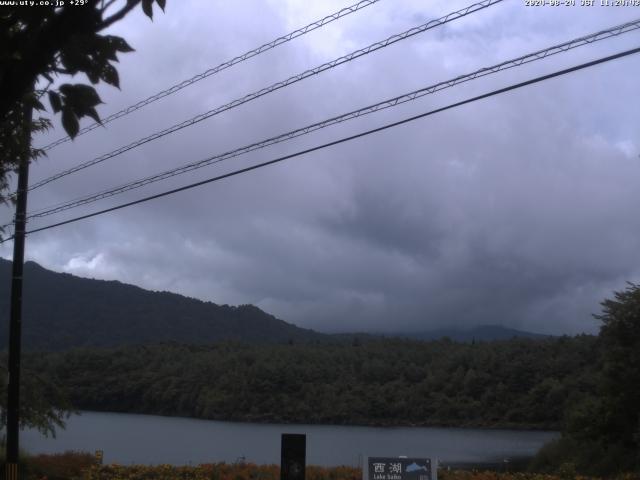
[[262, 421], [83, 466], [523, 384]]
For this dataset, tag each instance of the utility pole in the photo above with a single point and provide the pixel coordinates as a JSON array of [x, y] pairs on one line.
[[15, 325]]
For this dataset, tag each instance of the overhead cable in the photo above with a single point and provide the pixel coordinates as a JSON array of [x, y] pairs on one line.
[[391, 102], [217, 69], [276, 86], [341, 140]]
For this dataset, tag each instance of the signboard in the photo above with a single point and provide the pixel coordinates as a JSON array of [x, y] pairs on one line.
[[399, 468]]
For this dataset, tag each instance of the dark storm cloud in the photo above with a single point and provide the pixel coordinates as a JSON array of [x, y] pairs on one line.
[[516, 210]]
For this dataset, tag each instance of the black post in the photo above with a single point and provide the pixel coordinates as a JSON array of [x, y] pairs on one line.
[[293, 456], [15, 325]]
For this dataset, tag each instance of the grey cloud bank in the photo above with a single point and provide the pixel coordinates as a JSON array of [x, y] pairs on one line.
[[518, 210]]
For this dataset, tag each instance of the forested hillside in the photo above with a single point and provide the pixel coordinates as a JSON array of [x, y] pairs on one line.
[[515, 383], [63, 311]]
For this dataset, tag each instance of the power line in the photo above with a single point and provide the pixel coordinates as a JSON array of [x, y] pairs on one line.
[[342, 140], [392, 102], [223, 66], [276, 86]]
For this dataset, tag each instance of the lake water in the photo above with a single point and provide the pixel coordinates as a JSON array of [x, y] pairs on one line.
[[149, 439]]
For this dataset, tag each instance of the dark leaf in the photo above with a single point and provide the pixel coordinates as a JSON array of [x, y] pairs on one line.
[[147, 8], [66, 89], [94, 77], [88, 95], [110, 75], [103, 48], [94, 114], [161, 4], [70, 122], [74, 58], [119, 43], [40, 124], [37, 105], [79, 96], [54, 100], [108, 51]]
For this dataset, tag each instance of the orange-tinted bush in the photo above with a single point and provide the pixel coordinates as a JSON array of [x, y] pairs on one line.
[[81, 466], [62, 466]]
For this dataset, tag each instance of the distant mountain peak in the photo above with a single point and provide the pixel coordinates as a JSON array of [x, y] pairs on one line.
[[62, 310], [490, 332]]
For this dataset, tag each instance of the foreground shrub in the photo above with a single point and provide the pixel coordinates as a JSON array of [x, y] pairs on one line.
[[82, 466], [221, 471], [217, 471], [62, 466], [567, 456]]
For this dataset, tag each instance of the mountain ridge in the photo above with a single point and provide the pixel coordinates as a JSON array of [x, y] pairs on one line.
[[479, 333], [63, 311]]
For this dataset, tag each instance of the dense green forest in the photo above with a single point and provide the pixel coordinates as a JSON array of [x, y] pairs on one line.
[[515, 383], [601, 430]]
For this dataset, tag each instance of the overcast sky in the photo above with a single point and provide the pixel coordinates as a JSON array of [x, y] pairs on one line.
[[518, 210]]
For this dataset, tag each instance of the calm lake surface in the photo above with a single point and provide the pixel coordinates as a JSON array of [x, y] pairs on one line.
[[149, 439]]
